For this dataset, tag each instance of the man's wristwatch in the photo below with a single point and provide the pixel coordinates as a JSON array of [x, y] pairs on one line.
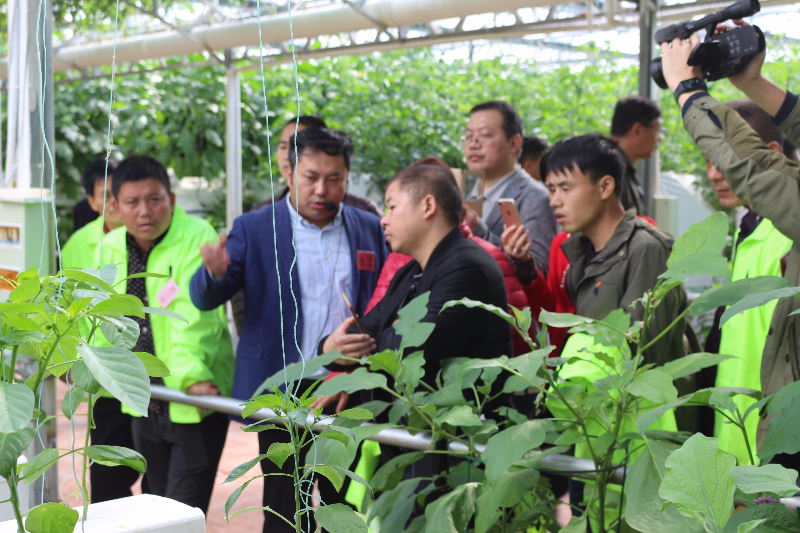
[[691, 85]]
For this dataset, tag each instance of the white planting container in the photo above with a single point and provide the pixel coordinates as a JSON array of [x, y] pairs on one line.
[[136, 514], [6, 511]]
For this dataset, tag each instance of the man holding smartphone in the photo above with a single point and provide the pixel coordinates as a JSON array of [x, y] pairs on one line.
[[492, 143]]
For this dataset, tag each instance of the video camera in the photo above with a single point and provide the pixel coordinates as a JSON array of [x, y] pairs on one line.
[[718, 56]]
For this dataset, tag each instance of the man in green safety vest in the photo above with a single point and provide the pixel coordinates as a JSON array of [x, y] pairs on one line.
[[758, 250], [112, 427]]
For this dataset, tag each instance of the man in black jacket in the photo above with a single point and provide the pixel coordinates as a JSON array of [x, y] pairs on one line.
[[422, 220]]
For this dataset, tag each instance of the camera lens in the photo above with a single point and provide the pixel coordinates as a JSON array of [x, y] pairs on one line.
[[657, 73]]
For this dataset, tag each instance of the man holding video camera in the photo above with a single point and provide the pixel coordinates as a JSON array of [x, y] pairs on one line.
[[767, 181]]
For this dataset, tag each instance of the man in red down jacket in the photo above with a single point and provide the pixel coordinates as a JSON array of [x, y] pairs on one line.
[[516, 295]]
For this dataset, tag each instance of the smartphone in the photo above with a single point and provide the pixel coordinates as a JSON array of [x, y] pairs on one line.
[[508, 208], [353, 311]]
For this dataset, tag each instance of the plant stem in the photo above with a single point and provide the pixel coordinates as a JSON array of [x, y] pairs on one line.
[[665, 330], [91, 333], [13, 364], [746, 439], [43, 369], [12, 487], [298, 521], [89, 427], [645, 323]]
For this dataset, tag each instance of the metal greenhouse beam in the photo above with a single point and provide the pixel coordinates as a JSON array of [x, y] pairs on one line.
[[306, 24]]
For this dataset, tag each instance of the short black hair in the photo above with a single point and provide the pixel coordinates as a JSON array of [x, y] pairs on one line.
[[758, 119], [633, 110], [421, 180], [512, 122], [532, 148], [309, 121], [595, 155], [137, 168], [96, 170], [332, 142]]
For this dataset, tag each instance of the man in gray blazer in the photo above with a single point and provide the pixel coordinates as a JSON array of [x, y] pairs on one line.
[[492, 142]]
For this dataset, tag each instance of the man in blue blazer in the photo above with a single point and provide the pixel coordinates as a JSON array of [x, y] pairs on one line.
[[292, 285]]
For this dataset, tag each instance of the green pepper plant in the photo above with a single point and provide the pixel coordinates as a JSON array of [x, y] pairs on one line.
[[55, 321]]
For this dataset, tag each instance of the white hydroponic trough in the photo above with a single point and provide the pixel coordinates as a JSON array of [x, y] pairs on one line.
[[144, 513]]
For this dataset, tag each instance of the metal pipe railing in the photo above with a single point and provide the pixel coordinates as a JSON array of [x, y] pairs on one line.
[[559, 464]]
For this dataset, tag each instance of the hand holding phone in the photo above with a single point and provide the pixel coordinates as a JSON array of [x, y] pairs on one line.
[[353, 311], [508, 208]]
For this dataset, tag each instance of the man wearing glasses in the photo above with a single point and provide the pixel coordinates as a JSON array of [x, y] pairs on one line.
[[636, 128], [492, 143]]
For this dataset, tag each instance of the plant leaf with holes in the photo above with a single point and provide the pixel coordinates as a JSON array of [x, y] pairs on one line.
[[51, 518]]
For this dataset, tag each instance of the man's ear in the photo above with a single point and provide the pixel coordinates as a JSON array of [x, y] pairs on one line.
[[637, 130], [775, 146], [429, 207], [96, 208], [516, 143], [607, 186], [172, 200], [114, 203], [289, 177]]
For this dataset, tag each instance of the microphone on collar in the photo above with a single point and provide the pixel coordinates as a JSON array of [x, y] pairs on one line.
[[330, 206]]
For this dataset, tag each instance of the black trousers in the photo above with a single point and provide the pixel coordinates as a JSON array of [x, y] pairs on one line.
[[113, 429], [279, 490], [182, 459]]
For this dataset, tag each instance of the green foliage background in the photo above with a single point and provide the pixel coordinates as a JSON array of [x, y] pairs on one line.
[[398, 107]]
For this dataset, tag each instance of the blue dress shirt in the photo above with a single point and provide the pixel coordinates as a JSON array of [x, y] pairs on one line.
[[324, 268]]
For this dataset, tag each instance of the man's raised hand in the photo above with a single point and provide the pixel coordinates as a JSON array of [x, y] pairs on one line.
[[215, 257], [674, 61]]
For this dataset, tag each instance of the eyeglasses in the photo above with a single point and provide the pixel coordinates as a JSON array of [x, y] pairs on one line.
[[481, 139], [657, 128]]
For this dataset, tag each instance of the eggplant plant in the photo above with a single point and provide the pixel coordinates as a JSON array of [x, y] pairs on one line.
[[606, 400], [55, 322]]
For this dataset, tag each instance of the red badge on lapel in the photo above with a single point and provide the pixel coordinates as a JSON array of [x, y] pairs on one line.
[[366, 260]]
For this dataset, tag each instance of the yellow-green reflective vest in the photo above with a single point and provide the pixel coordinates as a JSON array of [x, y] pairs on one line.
[[744, 335], [199, 350]]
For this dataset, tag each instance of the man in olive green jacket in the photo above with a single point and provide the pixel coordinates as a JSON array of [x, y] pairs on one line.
[[614, 257], [767, 181]]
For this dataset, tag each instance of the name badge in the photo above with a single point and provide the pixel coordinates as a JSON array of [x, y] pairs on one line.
[[168, 293], [366, 260]]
